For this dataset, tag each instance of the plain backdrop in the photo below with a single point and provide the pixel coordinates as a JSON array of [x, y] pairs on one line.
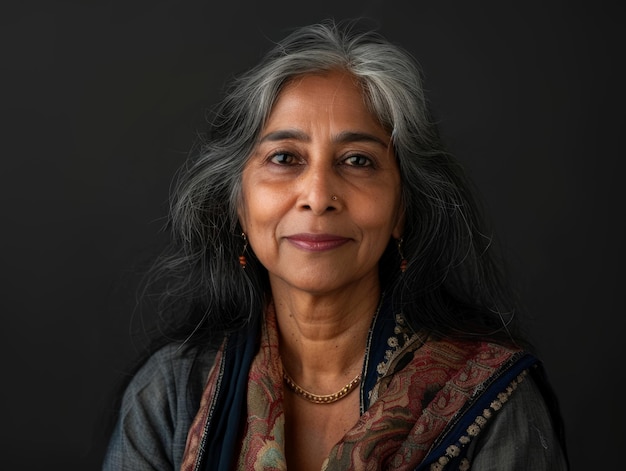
[[102, 101]]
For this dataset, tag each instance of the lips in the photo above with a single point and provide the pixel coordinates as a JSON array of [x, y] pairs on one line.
[[317, 242]]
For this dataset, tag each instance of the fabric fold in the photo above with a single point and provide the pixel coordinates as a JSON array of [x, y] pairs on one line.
[[423, 400]]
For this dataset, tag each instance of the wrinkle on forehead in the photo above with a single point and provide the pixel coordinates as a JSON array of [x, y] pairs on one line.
[[339, 99], [341, 75]]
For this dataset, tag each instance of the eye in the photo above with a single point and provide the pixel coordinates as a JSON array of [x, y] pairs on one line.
[[357, 160], [283, 158]]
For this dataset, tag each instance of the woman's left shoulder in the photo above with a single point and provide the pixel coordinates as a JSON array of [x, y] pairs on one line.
[[522, 435], [512, 419]]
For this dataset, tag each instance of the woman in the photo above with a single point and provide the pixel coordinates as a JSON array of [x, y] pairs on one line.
[[337, 303]]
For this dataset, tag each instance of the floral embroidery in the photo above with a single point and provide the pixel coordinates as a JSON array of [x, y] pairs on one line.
[[475, 428], [422, 385], [398, 343]]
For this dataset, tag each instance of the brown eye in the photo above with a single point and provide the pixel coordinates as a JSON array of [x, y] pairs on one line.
[[282, 158], [358, 160]]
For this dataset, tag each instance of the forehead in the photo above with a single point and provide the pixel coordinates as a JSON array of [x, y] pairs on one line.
[[333, 95]]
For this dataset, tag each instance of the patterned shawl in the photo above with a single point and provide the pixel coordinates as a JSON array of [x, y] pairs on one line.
[[422, 401]]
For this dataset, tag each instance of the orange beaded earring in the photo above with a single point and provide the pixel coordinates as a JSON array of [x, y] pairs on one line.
[[242, 258], [403, 262]]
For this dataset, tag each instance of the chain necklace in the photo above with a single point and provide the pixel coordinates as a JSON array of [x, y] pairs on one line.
[[320, 399]]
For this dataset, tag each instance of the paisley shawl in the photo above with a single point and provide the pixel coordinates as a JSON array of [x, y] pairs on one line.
[[422, 401]]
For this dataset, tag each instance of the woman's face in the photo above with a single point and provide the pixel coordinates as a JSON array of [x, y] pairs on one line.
[[321, 190]]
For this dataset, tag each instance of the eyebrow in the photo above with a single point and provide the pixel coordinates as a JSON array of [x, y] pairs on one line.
[[341, 138]]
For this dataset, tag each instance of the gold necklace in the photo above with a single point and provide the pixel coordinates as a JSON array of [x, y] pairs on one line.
[[320, 399]]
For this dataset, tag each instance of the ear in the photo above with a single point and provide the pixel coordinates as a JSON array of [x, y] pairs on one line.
[[241, 213], [398, 229], [241, 216]]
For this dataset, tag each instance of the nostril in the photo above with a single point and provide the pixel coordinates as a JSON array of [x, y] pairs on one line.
[[308, 207]]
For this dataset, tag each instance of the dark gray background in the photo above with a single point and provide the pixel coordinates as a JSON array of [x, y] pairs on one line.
[[102, 100]]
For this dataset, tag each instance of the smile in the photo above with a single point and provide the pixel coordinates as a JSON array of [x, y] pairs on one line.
[[317, 242]]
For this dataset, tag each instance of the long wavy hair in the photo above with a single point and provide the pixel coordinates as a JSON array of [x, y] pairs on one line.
[[453, 284]]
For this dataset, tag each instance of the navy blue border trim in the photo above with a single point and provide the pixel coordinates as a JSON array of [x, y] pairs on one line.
[[475, 408]]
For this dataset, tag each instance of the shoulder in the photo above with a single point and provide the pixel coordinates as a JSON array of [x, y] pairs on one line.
[[522, 435], [169, 376], [170, 380], [170, 370], [511, 419], [157, 409]]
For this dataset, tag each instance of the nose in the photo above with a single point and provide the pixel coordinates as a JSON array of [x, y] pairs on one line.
[[319, 189]]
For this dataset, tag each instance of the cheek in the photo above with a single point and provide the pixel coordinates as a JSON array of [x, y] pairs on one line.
[[259, 218], [383, 216], [250, 208]]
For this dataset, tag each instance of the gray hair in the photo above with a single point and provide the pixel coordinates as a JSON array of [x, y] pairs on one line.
[[446, 249]]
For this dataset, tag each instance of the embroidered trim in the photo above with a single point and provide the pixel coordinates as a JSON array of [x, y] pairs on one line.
[[403, 342], [395, 343], [453, 451]]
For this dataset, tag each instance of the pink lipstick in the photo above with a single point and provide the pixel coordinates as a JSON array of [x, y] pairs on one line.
[[317, 242]]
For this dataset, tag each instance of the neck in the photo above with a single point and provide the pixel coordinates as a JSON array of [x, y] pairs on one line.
[[322, 338]]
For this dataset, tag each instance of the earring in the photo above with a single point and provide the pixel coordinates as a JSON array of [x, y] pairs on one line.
[[403, 262], [242, 258]]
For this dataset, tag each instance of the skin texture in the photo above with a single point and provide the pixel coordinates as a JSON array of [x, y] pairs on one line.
[[306, 154], [321, 253]]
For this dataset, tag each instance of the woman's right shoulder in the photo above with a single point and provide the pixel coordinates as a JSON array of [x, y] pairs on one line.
[[173, 367], [157, 409]]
